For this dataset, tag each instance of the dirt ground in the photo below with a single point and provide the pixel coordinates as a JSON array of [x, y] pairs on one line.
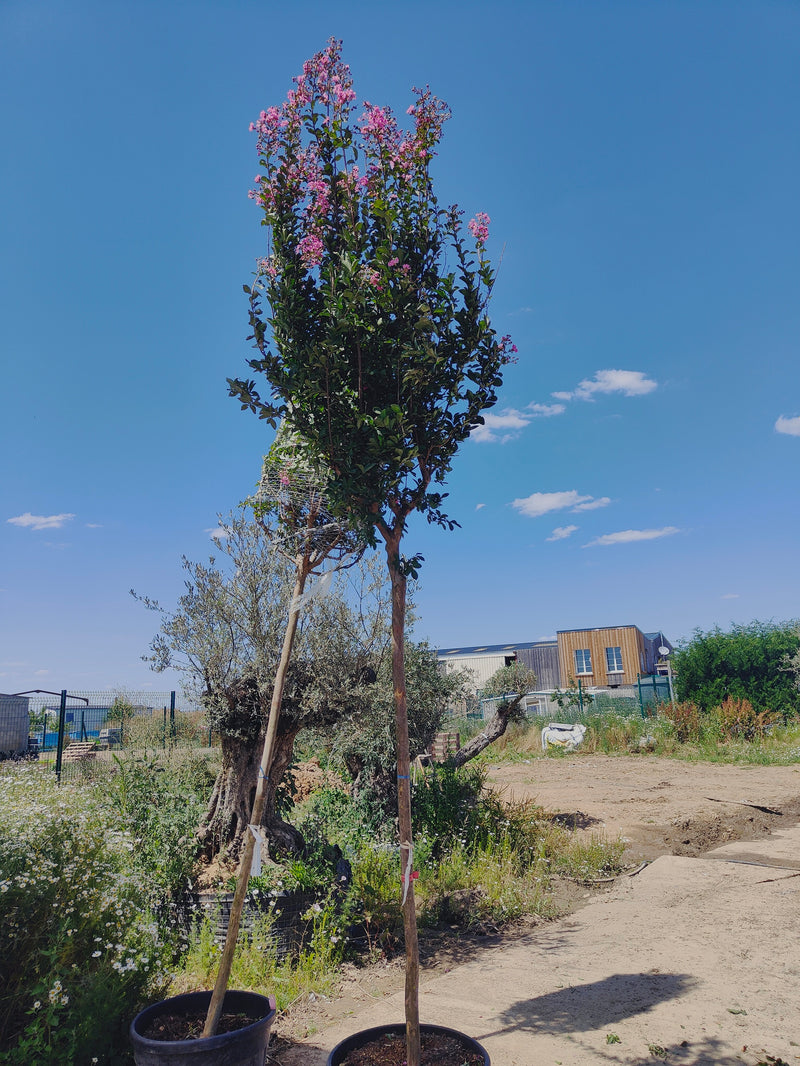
[[658, 806], [690, 959]]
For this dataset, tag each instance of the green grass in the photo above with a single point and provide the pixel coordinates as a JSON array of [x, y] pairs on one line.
[[621, 735]]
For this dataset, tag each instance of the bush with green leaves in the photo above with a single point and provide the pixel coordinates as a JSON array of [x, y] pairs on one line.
[[159, 800], [80, 953], [746, 662]]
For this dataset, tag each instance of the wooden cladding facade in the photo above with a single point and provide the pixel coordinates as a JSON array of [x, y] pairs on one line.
[[629, 639]]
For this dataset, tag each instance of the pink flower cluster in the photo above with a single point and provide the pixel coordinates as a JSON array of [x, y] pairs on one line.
[[508, 349], [310, 250], [268, 266], [317, 178], [479, 228]]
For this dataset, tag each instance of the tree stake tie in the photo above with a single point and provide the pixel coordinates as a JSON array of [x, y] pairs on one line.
[[409, 875], [320, 587], [260, 838]]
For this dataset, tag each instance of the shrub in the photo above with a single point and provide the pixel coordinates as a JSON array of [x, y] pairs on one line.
[[738, 719], [685, 718], [79, 952], [748, 662], [160, 801]]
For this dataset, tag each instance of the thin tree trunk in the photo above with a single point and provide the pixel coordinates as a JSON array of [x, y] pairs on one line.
[[243, 875], [491, 732], [413, 1046]]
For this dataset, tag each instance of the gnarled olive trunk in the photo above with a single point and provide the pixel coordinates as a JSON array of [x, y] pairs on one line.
[[231, 802], [243, 724]]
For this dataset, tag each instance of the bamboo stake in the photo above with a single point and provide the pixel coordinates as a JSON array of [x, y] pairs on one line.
[[243, 874]]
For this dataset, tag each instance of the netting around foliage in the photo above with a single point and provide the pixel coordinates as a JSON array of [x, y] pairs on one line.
[[304, 521]]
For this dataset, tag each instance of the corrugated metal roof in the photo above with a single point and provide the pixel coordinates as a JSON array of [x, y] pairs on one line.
[[494, 649], [596, 629]]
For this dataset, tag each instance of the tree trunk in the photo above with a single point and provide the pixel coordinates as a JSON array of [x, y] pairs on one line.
[[409, 909], [228, 814], [493, 729]]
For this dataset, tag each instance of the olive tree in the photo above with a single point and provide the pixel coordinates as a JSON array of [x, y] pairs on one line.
[[510, 684], [225, 635]]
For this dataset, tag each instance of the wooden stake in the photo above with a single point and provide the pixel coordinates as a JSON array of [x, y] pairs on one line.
[[246, 861]]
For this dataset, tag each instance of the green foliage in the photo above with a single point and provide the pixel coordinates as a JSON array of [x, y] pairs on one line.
[[573, 696], [255, 965], [746, 662], [448, 804], [78, 944], [159, 801], [366, 743], [514, 679]]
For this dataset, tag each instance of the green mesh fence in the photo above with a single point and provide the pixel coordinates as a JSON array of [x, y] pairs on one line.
[[80, 732]]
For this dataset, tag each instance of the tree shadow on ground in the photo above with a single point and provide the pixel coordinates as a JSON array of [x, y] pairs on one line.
[[579, 1008]]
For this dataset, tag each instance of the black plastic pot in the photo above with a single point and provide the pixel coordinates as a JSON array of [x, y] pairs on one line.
[[366, 1036], [242, 1047]]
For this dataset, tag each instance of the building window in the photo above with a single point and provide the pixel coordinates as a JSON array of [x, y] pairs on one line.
[[583, 661], [614, 660]]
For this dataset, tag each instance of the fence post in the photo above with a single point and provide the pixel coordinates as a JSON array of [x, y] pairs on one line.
[[580, 695], [641, 701], [164, 731], [62, 722], [172, 717]]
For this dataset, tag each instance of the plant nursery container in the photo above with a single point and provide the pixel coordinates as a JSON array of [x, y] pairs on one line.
[[367, 1037], [246, 1046]]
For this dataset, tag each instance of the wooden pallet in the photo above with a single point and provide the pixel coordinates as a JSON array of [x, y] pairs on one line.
[[444, 745], [77, 752]]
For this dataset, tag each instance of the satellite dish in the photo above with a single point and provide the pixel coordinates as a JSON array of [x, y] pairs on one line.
[[663, 651]]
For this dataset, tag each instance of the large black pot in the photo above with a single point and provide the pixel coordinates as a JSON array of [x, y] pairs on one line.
[[366, 1036], [242, 1047]]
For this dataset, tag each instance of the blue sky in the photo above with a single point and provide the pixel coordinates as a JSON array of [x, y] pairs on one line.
[[639, 162]]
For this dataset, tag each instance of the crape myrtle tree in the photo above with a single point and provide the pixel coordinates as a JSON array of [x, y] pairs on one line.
[[376, 343]]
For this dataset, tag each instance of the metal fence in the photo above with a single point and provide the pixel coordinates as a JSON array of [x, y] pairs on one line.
[[641, 698], [71, 730]]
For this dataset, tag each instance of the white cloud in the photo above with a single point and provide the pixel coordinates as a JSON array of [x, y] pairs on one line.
[[40, 521], [545, 410], [790, 426], [539, 503], [218, 532], [730, 596], [494, 424], [93, 525], [628, 536], [592, 505], [562, 532], [628, 382], [478, 506]]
